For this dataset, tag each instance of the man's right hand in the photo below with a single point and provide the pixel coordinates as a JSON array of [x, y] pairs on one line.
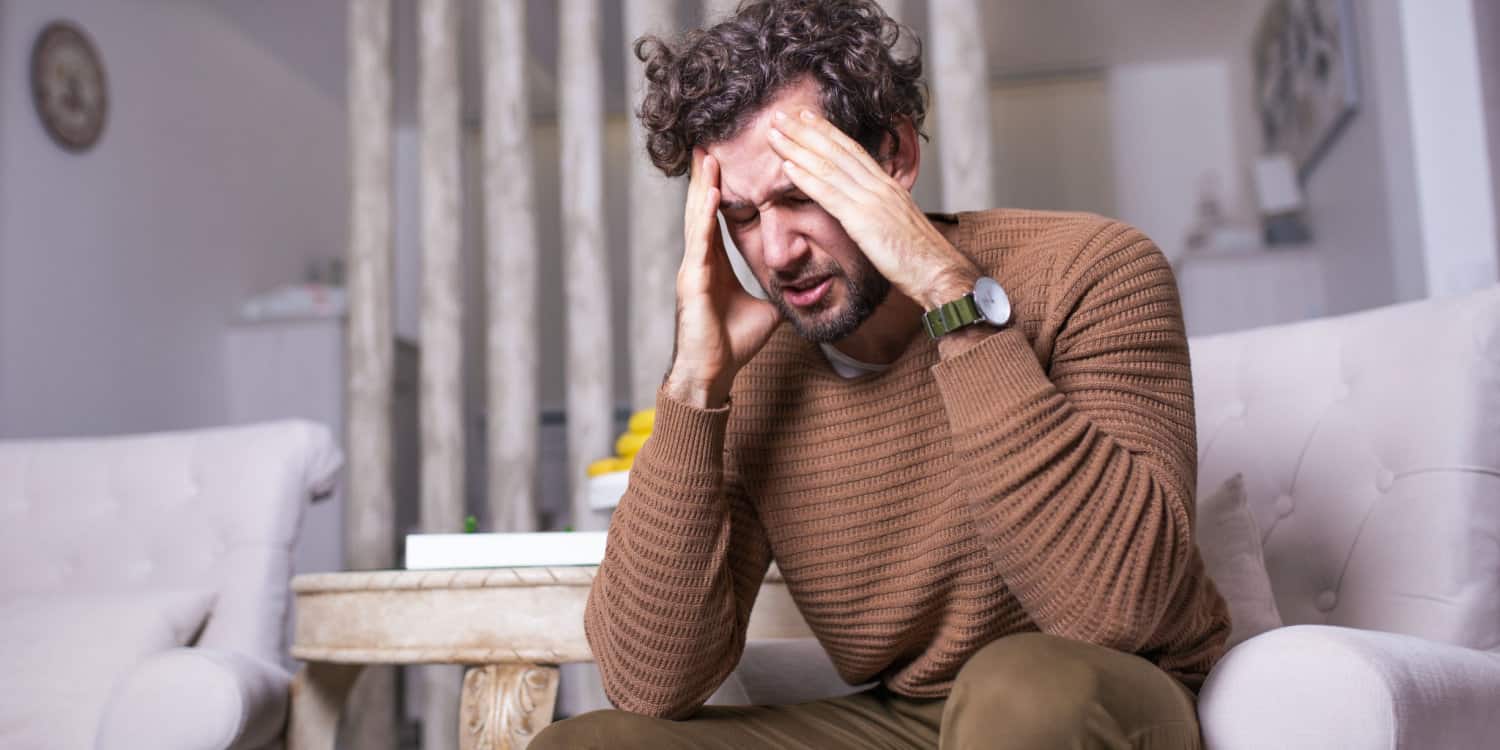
[[719, 325]]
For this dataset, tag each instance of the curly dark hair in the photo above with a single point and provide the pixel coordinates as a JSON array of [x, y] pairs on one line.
[[706, 85]]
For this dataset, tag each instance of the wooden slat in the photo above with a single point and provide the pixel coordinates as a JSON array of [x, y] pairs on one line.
[[511, 276], [441, 325], [370, 526], [715, 11], [961, 103], [656, 205], [586, 290], [369, 511]]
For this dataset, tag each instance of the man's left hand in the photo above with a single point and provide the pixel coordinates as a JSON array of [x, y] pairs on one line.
[[876, 211]]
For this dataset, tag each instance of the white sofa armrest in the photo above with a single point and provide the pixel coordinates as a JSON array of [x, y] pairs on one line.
[[196, 698], [1318, 686]]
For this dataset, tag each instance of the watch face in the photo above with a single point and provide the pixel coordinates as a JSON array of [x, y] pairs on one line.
[[992, 301]]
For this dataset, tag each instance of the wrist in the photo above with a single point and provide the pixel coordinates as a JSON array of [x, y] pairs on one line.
[[949, 285], [960, 341], [695, 392]]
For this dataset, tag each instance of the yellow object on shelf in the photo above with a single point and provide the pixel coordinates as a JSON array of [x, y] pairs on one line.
[[630, 443], [626, 446], [642, 421], [606, 466]]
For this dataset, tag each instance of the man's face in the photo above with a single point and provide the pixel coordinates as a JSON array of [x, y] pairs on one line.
[[807, 264]]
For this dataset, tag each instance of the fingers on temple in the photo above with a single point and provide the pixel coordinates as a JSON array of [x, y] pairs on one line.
[[825, 194], [811, 142]]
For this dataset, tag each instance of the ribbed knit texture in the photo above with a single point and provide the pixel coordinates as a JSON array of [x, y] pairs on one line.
[[1042, 480]]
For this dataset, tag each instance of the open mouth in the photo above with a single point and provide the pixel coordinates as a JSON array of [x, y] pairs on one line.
[[806, 293]]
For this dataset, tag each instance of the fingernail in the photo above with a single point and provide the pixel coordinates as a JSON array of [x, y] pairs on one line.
[[808, 115], [776, 133], [780, 115]]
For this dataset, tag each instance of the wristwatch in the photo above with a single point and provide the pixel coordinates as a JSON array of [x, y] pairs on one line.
[[987, 304]]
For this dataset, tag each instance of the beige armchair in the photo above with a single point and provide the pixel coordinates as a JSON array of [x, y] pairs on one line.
[[144, 585]]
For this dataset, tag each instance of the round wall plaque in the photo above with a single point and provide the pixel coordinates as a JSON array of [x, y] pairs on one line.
[[68, 86]]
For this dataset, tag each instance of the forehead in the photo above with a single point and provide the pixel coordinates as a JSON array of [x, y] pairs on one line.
[[748, 168]]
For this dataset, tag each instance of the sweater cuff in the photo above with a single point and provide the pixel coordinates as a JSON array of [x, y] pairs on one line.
[[686, 440], [1000, 372]]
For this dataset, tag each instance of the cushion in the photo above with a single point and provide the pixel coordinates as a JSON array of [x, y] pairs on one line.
[[1230, 543], [61, 655], [195, 698]]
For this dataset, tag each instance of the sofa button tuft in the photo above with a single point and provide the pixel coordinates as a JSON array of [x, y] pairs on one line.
[[1284, 505], [1384, 480], [1327, 600]]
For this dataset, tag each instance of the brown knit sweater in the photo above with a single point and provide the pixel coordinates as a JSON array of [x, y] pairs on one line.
[[1041, 480]]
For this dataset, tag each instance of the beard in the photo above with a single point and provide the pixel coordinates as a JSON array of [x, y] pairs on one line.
[[865, 290]]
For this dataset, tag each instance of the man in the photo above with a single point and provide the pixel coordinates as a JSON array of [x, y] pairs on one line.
[[967, 441]]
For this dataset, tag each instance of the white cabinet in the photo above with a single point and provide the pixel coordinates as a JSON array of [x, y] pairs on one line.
[[295, 369], [1242, 290], [285, 369]]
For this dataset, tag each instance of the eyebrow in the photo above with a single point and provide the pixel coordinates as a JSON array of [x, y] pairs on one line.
[[740, 205]]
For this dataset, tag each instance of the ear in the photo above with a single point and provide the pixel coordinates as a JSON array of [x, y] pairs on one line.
[[906, 160]]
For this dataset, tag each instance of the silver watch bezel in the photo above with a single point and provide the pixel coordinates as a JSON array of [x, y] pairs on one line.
[[992, 301]]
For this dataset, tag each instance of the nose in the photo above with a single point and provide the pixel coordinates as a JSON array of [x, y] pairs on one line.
[[785, 248]]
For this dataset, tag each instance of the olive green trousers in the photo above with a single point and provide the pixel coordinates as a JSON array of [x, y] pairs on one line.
[[1028, 690]]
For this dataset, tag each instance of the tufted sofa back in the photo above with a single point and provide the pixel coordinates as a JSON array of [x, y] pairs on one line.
[[208, 510], [1370, 445]]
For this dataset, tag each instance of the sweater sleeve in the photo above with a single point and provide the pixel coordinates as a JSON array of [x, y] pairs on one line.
[[1081, 478], [683, 563]]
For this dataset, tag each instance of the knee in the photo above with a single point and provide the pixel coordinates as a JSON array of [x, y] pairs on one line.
[[1028, 663], [609, 728], [1023, 690]]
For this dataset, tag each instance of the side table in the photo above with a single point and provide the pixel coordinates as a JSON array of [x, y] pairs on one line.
[[510, 626]]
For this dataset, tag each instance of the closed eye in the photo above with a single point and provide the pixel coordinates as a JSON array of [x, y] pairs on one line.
[[742, 214], [740, 218]]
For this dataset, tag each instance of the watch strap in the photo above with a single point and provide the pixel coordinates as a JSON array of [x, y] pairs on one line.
[[951, 316]]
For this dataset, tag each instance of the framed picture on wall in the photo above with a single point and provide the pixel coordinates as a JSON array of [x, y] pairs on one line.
[[1306, 82]]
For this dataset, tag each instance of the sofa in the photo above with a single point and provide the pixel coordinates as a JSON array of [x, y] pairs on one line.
[[1367, 447], [144, 585], [1370, 449]]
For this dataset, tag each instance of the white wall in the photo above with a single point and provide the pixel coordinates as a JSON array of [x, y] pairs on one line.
[[1173, 135], [220, 173], [1487, 24], [1404, 204], [1449, 145], [1360, 196], [1052, 143], [1384, 139]]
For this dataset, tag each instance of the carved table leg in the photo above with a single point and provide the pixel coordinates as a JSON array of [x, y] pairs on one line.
[[318, 693], [505, 705]]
